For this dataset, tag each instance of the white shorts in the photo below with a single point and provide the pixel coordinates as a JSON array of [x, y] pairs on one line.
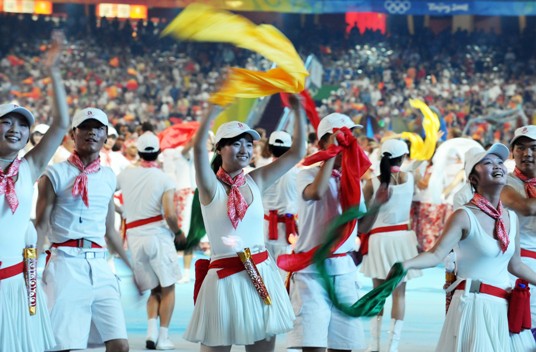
[[318, 323], [154, 260], [82, 293]]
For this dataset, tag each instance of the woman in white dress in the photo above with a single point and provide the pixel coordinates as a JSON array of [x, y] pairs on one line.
[[485, 238], [229, 310], [20, 331], [390, 239]]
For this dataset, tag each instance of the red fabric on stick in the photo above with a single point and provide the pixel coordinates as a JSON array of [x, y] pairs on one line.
[[177, 135]]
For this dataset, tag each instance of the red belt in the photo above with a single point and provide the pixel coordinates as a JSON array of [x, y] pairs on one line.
[[274, 218], [479, 287], [141, 222], [11, 270], [528, 254], [227, 266], [79, 243], [365, 236], [233, 265]]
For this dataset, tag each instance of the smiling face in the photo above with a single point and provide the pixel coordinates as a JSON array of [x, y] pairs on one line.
[[14, 134], [524, 152], [236, 153], [489, 171], [89, 137]]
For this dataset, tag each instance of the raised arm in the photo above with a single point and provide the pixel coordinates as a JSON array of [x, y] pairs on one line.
[[457, 225], [515, 201], [265, 176], [204, 176], [39, 156]]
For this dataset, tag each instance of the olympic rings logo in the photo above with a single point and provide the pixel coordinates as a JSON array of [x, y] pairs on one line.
[[397, 6]]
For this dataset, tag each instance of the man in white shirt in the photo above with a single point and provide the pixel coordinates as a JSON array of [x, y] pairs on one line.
[[151, 223]]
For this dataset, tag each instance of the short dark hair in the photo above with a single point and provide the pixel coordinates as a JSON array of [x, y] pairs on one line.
[[277, 151], [152, 156]]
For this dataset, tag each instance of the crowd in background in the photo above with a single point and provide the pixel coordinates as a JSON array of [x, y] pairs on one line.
[[136, 76]]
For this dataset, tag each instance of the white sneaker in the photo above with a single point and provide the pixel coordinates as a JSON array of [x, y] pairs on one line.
[[184, 280], [165, 345]]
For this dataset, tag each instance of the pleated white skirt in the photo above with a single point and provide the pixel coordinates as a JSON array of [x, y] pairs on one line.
[[387, 248], [230, 311], [20, 331], [479, 322]]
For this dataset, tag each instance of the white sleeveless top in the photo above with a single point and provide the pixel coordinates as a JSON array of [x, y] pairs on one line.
[[479, 256], [396, 210], [14, 225], [249, 232]]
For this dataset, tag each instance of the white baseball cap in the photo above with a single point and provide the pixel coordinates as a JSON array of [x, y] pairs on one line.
[[148, 143], [528, 131], [112, 131], [280, 139], [41, 128], [474, 155], [332, 121], [14, 108], [89, 114], [233, 129], [395, 147]]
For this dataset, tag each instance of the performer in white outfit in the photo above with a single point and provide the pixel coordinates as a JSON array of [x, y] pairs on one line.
[[76, 205], [151, 223], [520, 195], [390, 239], [485, 239], [115, 160], [280, 201], [230, 309], [319, 324], [20, 330]]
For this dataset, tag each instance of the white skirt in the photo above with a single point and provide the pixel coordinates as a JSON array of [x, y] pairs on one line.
[[387, 248], [20, 331], [476, 322], [229, 311]]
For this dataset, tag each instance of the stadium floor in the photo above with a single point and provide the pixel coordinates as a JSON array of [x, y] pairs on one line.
[[424, 313]]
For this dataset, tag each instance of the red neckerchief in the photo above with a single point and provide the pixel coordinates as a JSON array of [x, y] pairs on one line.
[[530, 183], [488, 209], [236, 204], [7, 184], [148, 164], [80, 183], [354, 164]]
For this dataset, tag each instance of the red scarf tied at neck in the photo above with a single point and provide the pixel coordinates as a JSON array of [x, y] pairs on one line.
[[80, 182], [354, 164], [236, 204], [7, 184], [500, 230], [530, 183]]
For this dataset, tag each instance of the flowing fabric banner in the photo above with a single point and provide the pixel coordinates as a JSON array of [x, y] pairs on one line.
[[203, 23], [370, 304], [423, 150], [394, 7]]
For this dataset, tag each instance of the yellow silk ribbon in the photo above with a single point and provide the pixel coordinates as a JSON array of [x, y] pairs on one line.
[[423, 150], [200, 22]]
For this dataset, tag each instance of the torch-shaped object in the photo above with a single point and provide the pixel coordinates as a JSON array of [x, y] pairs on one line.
[[30, 274], [254, 275]]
